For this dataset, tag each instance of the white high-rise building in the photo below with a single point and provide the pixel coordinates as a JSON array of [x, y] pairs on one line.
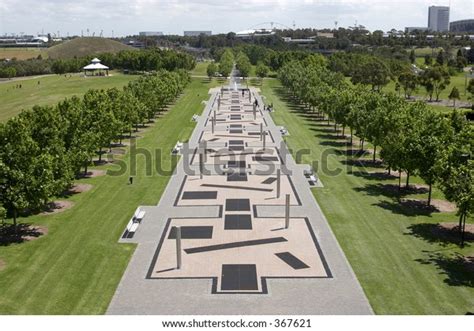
[[438, 18]]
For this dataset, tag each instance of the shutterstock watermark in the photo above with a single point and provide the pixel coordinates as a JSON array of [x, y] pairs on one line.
[[214, 159]]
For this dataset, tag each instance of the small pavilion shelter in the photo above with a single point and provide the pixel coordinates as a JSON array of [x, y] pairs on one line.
[[95, 68]]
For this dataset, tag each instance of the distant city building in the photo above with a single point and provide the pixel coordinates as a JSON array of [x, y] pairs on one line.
[[325, 34], [150, 33], [246, 34], [463, 26], [197, 33], [438, 18], [410, 29]]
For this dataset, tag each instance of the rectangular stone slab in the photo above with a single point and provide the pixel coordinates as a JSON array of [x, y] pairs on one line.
[[239, 277], [238, 222], [292, 260], [192, 232], [237, 204], [199, 195]]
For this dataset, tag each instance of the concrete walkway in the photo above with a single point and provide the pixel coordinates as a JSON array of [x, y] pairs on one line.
[[240, 253]]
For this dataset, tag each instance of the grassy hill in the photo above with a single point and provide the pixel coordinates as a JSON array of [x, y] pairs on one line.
[[85, 46]]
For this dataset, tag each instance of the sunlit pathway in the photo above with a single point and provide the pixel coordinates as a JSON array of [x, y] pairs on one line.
[[237, 230]]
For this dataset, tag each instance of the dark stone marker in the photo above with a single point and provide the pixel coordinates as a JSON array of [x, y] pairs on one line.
[[192, 232], [238, 222], [237, 205], [236, 244], [237, 177], [269, 180], [239, 277], [292, 260], [199, 195]]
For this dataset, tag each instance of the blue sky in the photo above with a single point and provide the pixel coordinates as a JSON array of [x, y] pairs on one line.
[[126, 17]]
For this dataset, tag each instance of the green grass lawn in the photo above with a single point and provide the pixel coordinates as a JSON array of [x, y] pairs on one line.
[[200, 69], [77, 266], [458, 80], [51, 90], [22, 53], [402, 267]]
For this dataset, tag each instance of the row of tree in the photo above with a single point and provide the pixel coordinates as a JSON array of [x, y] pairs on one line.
[[413, 138], [42, 150], [134, 60]]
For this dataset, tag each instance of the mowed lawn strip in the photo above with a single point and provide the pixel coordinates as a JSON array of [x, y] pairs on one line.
[[76, 268], [51, 89], [400, 273]]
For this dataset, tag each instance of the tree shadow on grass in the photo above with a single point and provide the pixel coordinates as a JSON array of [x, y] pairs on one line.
[[365, 163], [408, 208], [333, 143], [353, 152], [24, 232], [458, 269], [437, 234]]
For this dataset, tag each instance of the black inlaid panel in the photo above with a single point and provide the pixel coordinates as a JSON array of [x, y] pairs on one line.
[[236, 148], [236, 142], [237, 205], [235, 126], [292, 260], [192, 232], [253, 133], [237, 177], [236, 164], [239, 277], [235, 131], [239, 187], [261, 158], [235, 117], [269, 180], [235, 244], [238, 222], [199, 195]]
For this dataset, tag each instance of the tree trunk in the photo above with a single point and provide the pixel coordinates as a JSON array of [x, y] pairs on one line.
[[399, 184], [100, 154], [408, 180], [375, 153], [15, 224], [85, 168], [335, 127], [351, 135], [343, 131], [362, 145], [429, 194]]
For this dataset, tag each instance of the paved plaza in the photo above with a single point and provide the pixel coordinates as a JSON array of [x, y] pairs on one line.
[[239, 212]]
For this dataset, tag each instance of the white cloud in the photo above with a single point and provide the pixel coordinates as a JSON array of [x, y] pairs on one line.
[[174, 16]]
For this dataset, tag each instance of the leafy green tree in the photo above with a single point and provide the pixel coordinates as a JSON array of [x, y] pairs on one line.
[[226, 63], [454, 95], [440, 58], [25, 171], [434, 134], [243, 64], [435, 80], [262, 70], [456, 171], [211, 70], [408, 81], [428, 60], [372, 71], [412, 56]]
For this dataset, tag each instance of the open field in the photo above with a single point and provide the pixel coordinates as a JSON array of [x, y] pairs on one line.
[[402, 266], [85, 46], [76, 267], [458, 81], [22, 53], [50, 90]]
